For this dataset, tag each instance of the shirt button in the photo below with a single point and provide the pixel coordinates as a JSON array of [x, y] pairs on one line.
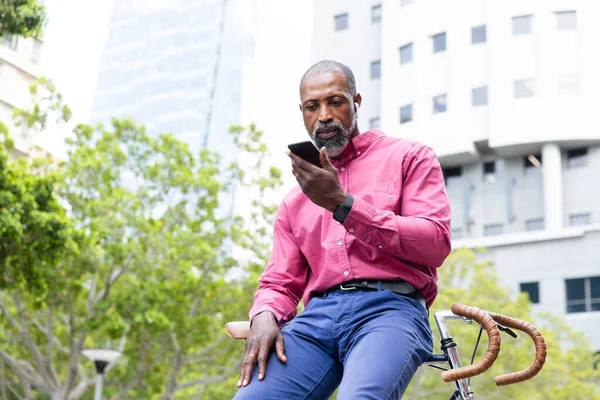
[[380, 246], [342, 169], [351, 230], [339, 242], [346, 273], [358, 152]]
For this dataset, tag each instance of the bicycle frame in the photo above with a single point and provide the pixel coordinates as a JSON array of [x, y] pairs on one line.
[[450, 349]]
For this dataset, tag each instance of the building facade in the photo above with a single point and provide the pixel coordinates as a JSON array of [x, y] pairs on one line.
[[176, 66], [19, 68], [505, 93]]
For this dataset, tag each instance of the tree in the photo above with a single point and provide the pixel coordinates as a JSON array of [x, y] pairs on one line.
[[25, 18], [157, 269], [569, 372]]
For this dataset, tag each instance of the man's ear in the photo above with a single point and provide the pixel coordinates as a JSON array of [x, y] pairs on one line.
[[358, 99], [300, 107]]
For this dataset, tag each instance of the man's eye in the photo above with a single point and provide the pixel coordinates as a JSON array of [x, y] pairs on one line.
[[337, 103], [311, 107]]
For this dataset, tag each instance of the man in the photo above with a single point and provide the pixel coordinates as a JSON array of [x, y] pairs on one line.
[[360, 240]]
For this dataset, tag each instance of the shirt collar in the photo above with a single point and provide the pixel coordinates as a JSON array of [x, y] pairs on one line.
[[358, 146]]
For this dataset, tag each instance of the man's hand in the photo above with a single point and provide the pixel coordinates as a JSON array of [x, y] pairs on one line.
[[320, 185], [263, 333]]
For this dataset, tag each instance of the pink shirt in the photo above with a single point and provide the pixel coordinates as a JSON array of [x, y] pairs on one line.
[[398, 228]]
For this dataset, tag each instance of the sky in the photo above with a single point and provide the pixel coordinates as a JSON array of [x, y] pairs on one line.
[[73, 42], [77, 30]]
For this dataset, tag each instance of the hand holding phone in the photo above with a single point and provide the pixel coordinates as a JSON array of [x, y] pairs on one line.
[[307, 151]]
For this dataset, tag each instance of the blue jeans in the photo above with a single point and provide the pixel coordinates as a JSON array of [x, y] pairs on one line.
[[369, 343]]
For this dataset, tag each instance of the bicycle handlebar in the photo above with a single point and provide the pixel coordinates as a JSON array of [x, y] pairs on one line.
[[540, 350], [493, 349], [241, 329], [488, 322]]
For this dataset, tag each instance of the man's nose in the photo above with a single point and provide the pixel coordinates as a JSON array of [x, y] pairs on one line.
[[325, 114]]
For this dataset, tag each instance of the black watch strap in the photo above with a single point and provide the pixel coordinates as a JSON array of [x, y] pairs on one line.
[[341, 212]]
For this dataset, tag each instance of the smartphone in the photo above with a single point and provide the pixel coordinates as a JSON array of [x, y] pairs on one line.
[[307, 151]]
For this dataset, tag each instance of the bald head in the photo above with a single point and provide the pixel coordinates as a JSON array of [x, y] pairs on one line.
[[329, 66]]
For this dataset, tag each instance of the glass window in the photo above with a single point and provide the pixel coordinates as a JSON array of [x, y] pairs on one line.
[[479, 96], [536, 224], [478, 34], [376, 69], [493, 229], [568, 84], [440, 104], [566, 20], [341, 22], [489, 167], [522, 25], [533, 291], [595, 293], [374, 123], [10, 41], [580, 219], [36, 51], [453, 172], [577, 158], [406, 53], [376, 14], [405, 2], [523, 88], [406, 113], [578, 293], [439, 42]]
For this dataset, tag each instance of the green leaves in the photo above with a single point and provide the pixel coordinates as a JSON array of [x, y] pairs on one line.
[[129, 244], [569, 370], [23, 18], [34, 228]]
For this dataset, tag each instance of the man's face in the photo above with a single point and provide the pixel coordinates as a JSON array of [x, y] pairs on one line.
[[328, 111]]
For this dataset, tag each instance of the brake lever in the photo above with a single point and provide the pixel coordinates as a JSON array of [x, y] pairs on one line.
[[506, 330]]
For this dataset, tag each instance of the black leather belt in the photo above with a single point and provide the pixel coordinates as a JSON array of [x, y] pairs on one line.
[[399, 287]]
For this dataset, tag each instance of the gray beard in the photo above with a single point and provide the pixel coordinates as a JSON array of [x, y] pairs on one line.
[[337, 143]]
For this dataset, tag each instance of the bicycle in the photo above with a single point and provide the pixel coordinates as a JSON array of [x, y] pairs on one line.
[[492, 322]]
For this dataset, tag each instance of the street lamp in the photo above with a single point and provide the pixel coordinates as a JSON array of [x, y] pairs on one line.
[[101, 359]]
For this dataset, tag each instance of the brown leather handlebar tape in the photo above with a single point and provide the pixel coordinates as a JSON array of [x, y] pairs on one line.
[[493, 349], [238, 329], [540, 350]]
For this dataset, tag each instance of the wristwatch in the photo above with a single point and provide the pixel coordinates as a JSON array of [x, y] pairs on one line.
[[342, 211]]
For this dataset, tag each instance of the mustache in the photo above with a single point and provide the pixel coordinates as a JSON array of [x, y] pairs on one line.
[[327, 126]]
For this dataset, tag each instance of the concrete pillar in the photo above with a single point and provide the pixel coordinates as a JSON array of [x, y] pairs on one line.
[[553, 187]]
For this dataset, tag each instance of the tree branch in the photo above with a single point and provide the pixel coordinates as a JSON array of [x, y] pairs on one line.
[[140, 367], [47, 376], [3, 377], [171, 387], [112, 278], [23, 375], [202, 355], [81, 388], [51, 338], [211, 379]]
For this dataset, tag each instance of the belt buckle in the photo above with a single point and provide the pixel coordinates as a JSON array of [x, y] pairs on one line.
[[346, 288]]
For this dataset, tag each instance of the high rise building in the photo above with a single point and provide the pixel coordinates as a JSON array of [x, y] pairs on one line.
[[176, 66], [505, 92], [19, 68]]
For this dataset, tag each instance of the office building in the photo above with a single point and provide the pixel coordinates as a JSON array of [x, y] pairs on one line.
[[19, 68], [505, 92], [176, 66]]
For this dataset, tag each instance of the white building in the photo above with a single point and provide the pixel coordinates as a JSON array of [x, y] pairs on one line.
[[19, 68], [505, 92]]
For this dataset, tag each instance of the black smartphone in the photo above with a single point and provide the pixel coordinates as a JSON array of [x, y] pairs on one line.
[[307, 151]]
